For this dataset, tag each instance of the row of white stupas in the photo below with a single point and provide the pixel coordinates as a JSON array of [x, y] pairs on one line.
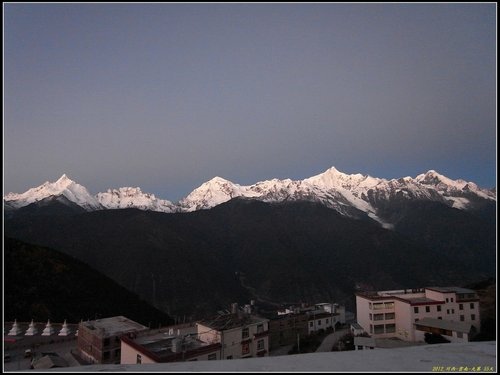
[[48, 330]]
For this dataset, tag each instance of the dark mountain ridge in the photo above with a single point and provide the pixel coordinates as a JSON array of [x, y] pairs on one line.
[[43, 283], [198, 262]]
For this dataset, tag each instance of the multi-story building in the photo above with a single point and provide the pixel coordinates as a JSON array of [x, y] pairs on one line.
[[286, 329], [394, 313], [99, 340], [241, 335]]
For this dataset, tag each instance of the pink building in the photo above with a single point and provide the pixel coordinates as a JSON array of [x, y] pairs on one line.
[[396, 313]]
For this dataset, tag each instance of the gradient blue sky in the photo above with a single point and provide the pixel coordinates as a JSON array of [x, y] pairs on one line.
[[167, 96]]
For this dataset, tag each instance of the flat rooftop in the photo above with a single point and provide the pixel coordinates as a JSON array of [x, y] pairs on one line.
[[451, 289], [113, 326], [161, 344], [230, 321], [444, 324], [423, 358], [385, 343], [419, 300]]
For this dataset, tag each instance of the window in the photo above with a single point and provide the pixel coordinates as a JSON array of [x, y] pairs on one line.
[[139, 359], [106, 342], [461, 306], [260, 345], [453, 311], [379, 328], [415, 310], [370, 305], [472, 305], [451, 299], [440, 317], [447, 311], [371, 328], [389, 305], [371, 317], [105, 355], [245, 348], [378, 306], [311, 324], [260, 327], [462, 318], [117, 353], [427, 309], [245, 333], [378, 317], [416, 320], [390, 328], [390, 316], [438, 307], [473, 317], [319, 322], [212, 356], [229, 357], [326, 321], [447, 300]]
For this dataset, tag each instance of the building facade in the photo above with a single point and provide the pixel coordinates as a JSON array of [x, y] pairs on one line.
[[386, 314], [286, 329], [240, 335], [99, 340]]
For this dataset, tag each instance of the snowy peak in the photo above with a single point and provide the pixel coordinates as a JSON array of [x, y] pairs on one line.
[[64, 186], [453, 188], [130, 197], [211, 193], [332, 178], [353, 195]]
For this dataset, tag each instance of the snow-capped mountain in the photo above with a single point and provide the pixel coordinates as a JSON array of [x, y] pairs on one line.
[[129, 197], [353, 195], [458, 192], [64, 187], [212, 193]]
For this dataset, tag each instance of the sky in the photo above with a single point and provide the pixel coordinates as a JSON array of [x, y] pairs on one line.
[[167, 96]]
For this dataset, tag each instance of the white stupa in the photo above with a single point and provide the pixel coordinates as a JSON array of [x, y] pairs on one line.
[[15, 330], [48, 330], [31, 329], [65, 331]]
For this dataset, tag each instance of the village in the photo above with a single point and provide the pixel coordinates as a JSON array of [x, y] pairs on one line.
[[384, 320]]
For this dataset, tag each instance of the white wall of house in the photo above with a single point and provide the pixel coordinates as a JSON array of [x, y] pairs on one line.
[[456, 309], [317, 324], [231, 340], [129, 355], [374, 315]]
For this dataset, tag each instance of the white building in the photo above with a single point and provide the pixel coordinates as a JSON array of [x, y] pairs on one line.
[[240, 335], [319, 316], [395, 313]]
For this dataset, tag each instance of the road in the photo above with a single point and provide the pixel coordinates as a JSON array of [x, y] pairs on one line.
[[331, 339]]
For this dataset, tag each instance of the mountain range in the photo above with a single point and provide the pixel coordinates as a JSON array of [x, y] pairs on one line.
[[278, 241], [353, 195]]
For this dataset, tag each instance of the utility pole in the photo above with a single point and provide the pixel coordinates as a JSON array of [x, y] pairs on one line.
[[298, 342]]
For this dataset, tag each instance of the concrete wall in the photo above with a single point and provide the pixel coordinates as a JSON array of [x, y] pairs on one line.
[[129, 355]]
